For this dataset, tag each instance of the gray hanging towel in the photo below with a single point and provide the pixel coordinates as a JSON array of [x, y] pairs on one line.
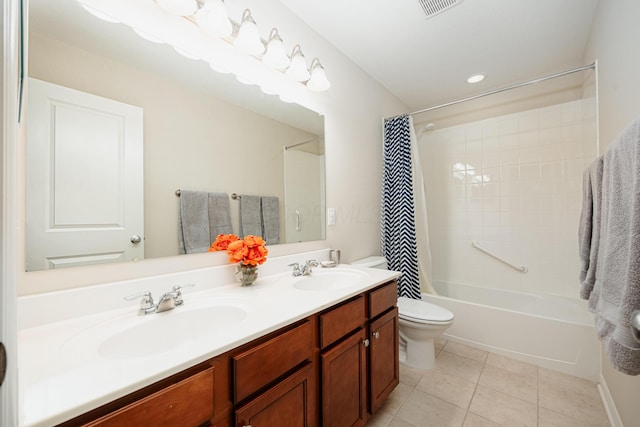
[[270, 219], [616, 293], [589, 226], [250, 218], [219, 215], [194, 222]]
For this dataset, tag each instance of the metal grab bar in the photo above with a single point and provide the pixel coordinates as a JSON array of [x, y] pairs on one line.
[[521, 268]]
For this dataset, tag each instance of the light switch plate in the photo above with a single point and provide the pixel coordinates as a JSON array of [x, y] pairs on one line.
[[331, 216]]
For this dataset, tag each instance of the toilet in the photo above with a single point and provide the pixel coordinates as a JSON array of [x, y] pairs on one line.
[[420, 324]]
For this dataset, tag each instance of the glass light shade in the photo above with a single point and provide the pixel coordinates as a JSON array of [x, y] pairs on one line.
[[276, 56], [213, 19], [179, 7], [248, 39], [318, 81], [298, 68]]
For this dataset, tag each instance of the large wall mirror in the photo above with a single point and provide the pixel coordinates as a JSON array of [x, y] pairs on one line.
[[197, 130]]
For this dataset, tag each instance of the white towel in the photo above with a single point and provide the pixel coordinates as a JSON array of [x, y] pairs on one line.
[[250, 219], [194, 222], [616, 293], [270, 208]]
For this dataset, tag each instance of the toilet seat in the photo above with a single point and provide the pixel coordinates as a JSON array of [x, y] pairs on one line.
[[419, 311]]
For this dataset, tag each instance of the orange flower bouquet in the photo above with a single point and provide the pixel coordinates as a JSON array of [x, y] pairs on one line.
[[248, 253]]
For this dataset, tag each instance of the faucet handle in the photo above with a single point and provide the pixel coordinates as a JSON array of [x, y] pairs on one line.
[[296, 269], [146, 303], [178, 295], [312, 263]]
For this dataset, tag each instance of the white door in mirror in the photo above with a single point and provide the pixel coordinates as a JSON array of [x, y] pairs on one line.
[[85, 179]]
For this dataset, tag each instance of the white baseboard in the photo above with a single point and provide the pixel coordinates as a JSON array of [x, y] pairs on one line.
[[609, 404]]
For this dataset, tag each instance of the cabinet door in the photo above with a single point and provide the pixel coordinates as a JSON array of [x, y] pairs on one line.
[[344, 377], [290, 403], [384, 358]]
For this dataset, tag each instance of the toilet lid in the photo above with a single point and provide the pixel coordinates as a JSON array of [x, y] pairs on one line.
[[422, 310]]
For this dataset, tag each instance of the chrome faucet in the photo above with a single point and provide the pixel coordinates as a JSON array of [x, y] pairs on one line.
[[167, 301], [305, 270], [296, 269]]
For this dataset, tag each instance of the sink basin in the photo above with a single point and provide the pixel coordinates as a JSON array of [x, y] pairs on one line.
[[169, 329], [132, 336], [324, 280]]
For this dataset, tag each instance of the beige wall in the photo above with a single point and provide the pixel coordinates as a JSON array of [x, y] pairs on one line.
[[353, 109], [614, 43]]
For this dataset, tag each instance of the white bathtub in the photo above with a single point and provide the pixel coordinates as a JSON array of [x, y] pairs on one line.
[[552, 332]]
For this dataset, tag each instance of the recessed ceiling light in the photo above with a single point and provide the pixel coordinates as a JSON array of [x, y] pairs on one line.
[[475, 79]]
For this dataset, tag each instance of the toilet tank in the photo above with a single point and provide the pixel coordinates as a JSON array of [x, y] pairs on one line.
[[372, 262]]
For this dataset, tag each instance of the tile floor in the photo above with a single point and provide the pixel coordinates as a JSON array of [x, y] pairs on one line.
[[474, 388]]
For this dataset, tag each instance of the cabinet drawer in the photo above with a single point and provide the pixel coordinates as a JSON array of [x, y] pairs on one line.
[[341, 320], [382, 299], [260, 365], [186, 403]]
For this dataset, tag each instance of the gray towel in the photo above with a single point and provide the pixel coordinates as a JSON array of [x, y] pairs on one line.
[[194, 222], [270, 207], [250, 218], [219, 215], [617, 289], [589, 227]]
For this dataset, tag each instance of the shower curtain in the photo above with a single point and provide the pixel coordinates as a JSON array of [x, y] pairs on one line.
[[422, 225], [399, 241]]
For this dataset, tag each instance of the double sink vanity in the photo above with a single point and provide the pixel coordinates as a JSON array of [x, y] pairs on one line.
[[318, 349]]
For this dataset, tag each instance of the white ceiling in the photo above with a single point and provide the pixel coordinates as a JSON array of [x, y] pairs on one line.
[[426, 61]]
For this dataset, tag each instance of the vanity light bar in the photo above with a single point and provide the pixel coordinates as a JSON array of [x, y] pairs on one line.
[[185, 34], [245, 37]]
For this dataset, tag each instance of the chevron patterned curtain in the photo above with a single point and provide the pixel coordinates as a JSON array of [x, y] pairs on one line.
[[397, 222]]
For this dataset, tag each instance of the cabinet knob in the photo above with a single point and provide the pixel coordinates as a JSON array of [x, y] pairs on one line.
[[376, 334], [365, 342]]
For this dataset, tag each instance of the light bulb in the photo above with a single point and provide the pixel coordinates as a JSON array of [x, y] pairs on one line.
[[276, 56], [298, 68], [248, 39], [318, 81], [213, 19]]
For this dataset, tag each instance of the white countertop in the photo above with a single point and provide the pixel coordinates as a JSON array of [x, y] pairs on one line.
[[64, 370]]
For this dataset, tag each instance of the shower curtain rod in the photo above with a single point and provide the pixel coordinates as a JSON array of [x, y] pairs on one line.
[[298, 144], [504, 89]]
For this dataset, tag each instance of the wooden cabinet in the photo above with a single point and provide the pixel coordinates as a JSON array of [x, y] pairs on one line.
[[344, 382], [262, 363], [290, 403], [334, 368], [384, 373], [358, 369], [275, 381], [188, 403]]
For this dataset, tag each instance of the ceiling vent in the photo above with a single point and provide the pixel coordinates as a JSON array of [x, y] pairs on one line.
[[433, 7]]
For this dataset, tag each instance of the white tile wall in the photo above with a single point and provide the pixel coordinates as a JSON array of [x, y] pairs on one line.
[[513, 183]]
